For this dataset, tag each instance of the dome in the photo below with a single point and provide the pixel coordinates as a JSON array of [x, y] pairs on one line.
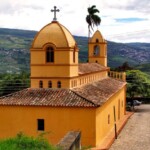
[[97, 35], [54, 33]]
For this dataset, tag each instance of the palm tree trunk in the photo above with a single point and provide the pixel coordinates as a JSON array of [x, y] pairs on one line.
[[89, 34]]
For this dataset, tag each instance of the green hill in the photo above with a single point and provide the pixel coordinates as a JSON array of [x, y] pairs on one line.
[[15, 45], [144, 68]]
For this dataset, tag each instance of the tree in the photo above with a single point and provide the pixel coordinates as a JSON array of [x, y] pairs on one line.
[[138, 84], [10, 83], [92, 19], [125, 66]]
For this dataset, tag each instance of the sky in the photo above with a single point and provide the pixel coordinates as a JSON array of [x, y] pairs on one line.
[[121, 20]]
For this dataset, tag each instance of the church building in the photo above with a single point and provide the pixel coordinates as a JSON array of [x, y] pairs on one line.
[[65, 95]]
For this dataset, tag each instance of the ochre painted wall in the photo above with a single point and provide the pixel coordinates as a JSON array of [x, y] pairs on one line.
[[98, 41], [92, 122], [54, 70], [65, 83], [102, 57], [61, 56], [65, 65], [103, 124], [68, 82], [100, 60], [102, 46], [58, 121]]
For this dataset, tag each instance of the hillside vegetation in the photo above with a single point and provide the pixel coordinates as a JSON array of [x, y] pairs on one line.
[[144, 68], [138, 84], [15, 57]]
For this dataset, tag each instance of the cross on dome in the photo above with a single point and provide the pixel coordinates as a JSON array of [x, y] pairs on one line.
[[55, 10]]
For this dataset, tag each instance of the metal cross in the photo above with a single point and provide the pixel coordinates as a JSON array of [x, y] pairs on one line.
[[55, 10]]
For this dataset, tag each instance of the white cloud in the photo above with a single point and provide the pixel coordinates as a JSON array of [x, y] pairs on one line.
[[34, 14]]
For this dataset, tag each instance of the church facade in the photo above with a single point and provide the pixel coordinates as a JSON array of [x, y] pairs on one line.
[[65, 95]]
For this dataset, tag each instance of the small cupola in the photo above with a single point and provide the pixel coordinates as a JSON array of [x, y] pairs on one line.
[[97, 49]]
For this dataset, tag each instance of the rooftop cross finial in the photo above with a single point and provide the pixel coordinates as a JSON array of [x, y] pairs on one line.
[[55, 10]]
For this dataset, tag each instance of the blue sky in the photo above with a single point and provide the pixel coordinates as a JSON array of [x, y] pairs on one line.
[[122, 20], [129, 20]]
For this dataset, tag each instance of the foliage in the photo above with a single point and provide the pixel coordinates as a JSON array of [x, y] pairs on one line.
[[138, 84], [92, 19], [144, 68], [124, 67], [13, 82], [23, 142]]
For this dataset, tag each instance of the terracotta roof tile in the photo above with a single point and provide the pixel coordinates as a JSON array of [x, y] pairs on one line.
[[90, 95], [46, 97], [85, 68], [99, 92]]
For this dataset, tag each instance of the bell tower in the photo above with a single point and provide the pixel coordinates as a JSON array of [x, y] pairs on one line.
[[54, 57], [97, 49]]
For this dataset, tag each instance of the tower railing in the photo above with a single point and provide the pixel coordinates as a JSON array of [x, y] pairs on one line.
[[117, 75]]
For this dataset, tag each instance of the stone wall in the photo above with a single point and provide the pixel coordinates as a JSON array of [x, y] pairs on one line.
[[71, 141]]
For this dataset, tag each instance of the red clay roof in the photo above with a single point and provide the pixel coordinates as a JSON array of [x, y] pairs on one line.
[[90, 95], [46, 97], [99, 92], [85, 68]]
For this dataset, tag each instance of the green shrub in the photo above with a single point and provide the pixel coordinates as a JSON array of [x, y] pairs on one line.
[[23, 142]]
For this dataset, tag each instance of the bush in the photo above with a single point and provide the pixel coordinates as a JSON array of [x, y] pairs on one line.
[[23, 142]]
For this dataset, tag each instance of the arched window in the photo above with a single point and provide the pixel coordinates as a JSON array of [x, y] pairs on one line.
[[49, 54], [96, 50], [58, 84], [97, 40], [49, 84], [41, 84]]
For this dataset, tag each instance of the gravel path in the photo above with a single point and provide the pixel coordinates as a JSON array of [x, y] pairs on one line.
[[136, 133]]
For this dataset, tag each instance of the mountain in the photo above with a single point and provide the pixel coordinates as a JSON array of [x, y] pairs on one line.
[[15, 45], [144, 68]]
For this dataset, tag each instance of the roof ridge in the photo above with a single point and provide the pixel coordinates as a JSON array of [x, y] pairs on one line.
[[60, 26], [84, 98]]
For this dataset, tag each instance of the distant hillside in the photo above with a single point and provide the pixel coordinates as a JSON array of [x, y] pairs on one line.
[[15, 45], [144, 68], [18, 32]]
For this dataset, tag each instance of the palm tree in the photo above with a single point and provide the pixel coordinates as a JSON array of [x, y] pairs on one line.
[[92, 19]]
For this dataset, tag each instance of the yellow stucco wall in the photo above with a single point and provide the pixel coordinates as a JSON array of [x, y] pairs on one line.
[[54, 71], [102, 125], [100, 60], [103, 49], [97, 35], [58, 121], [64, 56], [65, 65], [67, 82], [102, 57], [92, 122]]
